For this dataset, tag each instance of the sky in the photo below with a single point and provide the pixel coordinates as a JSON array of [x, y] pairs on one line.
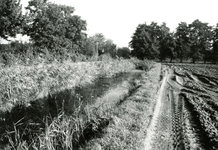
[[118, 19]]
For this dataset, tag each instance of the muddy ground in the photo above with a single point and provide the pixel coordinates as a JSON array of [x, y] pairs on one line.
[[186, 112]]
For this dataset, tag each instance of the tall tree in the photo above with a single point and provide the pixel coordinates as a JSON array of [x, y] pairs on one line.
[[145, 41], [123, 52], [110, 48], [97, 45], [201, 36], [89, 47], [166, 43], [54, 26], [99, 40], [11, 18], [214, 53], [182, 41]]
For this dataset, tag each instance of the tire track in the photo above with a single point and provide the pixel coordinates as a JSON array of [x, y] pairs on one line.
[[166, 124], [175, 125], [163, 127], [152, 129], [177, 121], [202, 85]]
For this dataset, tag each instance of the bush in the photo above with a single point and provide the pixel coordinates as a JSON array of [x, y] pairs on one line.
[[123, 52], [142, 64], [105, 57], [8, 59]]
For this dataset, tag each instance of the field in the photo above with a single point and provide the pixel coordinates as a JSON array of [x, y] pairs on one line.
[[119, 104], [187, 112]]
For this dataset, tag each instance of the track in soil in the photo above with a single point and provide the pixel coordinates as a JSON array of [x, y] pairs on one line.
[[187, 102]]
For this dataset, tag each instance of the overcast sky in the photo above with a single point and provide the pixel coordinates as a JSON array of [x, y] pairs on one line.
[[118, 19]]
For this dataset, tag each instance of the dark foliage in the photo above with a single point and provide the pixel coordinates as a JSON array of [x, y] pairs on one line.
[[195, 41], [54, 27], [123, 52], [11, 18]]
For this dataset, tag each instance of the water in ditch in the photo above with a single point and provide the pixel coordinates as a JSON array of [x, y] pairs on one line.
[[65, 101]]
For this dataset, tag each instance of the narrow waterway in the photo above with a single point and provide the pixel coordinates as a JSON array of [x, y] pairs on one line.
[[66, 101]]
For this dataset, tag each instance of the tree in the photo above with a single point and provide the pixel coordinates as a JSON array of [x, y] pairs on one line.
[[97, 45], [54, 26], [153, 41], [11, 18], [99, 41], [89, 47], [182, 41], [145, 41], [168, 46], [214, 53], [123, 52], [167, 43], [200, 36], [110, 48]]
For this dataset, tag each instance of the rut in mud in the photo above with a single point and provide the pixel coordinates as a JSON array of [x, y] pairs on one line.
[[187, 115]]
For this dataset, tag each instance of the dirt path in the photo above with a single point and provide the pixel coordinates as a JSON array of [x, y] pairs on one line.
[[186, 109], [152, 129]]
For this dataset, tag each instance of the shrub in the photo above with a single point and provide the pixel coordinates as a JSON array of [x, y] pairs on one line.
[[142, 64], [8, 59], [105, 57]]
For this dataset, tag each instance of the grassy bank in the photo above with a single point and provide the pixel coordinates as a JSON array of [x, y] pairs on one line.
[[21, 84], [129, 120]]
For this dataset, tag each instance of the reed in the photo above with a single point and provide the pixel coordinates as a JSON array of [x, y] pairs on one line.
[[22, 84]]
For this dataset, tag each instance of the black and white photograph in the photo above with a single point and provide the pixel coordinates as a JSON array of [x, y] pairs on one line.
[[108, 75]]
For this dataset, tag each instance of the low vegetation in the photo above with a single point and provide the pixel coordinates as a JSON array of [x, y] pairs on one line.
[[25, 84], [129, 120]]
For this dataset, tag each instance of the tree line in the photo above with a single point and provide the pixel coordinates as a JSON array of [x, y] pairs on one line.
[[196, 41], [54, 31]]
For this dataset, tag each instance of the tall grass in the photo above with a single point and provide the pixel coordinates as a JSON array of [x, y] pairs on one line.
[[24, 83]]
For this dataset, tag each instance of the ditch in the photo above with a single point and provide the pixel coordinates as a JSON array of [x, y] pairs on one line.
[[31, 120]]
